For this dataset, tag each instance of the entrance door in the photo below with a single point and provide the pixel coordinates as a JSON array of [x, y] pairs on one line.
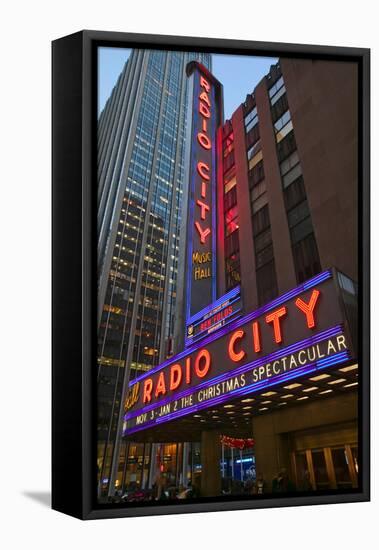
[[326, 468]]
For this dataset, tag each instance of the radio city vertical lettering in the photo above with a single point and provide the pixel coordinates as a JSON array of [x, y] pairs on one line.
[[201, 258]]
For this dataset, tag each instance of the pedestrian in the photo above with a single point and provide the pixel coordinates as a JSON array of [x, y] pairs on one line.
[[249, 486], [282, 483], [260, 485], [306, 484]]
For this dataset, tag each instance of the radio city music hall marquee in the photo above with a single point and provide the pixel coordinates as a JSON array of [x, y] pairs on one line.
[[301, 332]]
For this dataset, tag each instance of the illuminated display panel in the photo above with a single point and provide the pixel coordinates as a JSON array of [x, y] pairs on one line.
[[223, 311]]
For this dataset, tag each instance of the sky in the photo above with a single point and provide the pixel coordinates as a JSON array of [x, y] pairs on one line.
[[111, 63], [238, 74]]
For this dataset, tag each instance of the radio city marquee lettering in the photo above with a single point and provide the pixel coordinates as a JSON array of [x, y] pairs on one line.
[[298, 333], [201, 259]]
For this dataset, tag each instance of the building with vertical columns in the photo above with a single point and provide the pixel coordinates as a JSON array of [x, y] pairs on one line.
[[290, 163], [266, 377], [293, 152], [141, 139]]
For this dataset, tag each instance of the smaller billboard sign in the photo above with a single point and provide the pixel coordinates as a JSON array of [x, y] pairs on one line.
[[226, 309]]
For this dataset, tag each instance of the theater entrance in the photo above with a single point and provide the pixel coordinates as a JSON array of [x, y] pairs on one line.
[[330, 464]]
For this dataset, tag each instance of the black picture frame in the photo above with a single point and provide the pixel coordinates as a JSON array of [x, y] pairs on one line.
[[74, 113]]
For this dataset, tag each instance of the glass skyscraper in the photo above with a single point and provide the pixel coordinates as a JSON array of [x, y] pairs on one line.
[[141, 141]]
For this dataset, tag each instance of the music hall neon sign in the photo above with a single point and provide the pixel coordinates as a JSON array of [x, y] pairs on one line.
[[201, 223]]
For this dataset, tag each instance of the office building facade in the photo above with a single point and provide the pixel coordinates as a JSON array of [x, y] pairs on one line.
[[290, 169], [292, 148], [141, 140]]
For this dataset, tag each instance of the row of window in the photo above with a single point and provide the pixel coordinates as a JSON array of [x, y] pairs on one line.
[[267, 287], [304, 247], [228, 152], [266, 280], [232, 257], [232, 260]]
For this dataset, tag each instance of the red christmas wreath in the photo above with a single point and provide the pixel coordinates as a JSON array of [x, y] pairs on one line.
[[236, 443]]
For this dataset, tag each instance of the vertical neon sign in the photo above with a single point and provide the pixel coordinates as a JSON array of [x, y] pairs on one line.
[[201, 229]]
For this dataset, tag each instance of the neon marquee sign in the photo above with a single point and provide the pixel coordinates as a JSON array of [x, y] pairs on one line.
[[298, 332]]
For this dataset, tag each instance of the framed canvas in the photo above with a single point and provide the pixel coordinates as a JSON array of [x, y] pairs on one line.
[[210, 275]]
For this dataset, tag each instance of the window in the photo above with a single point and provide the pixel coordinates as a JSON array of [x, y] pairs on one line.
[[251, 119], [267, 286], [264, 256], [229, 183], [230, 199], [284, 131], [231, 220], [291, 176], [286, 146], [261, 220], [256, 158], [275, 87], [282, 121], [232, 262], [231, 244], [228, 161], [279, 108], [252, 124], [251, 115], [252, 136], [232, 271], [346, 284], [298, 214], [228, 144], [289, 163], [260, 202], [278, 95], [320, 470], [301, 230], [231, 214], [306, 258], [253, 150], [256, 174], [341, 468], [295, 193], [263, 240], [258, 190]]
